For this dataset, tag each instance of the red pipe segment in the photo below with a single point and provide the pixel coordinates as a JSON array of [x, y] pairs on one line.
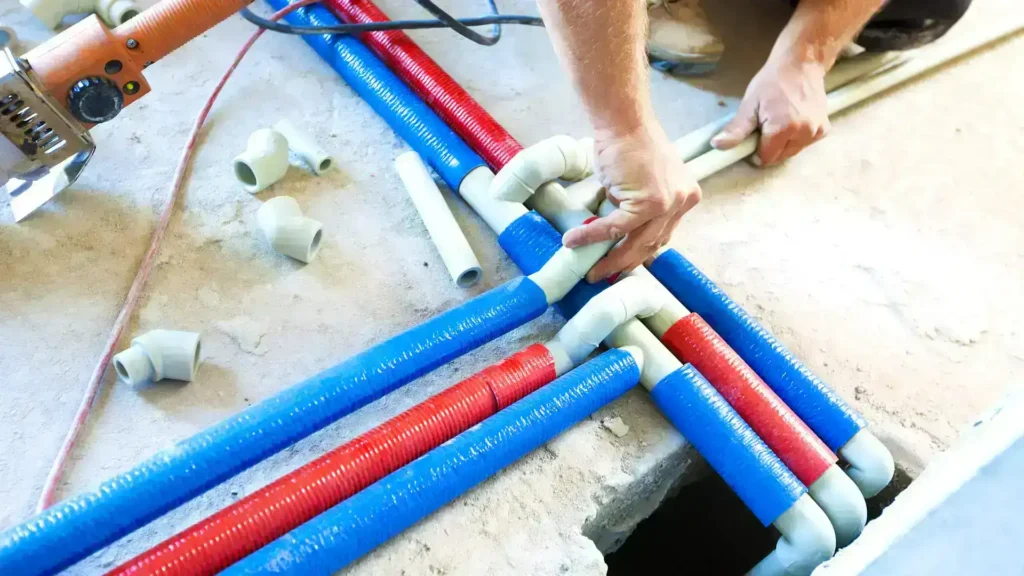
[[693, 341], [226, 537], [439, 90]]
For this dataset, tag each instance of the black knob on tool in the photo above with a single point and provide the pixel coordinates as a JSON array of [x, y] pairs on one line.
[[95, 100]]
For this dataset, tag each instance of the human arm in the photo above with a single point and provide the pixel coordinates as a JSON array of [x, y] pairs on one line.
[[787, 98], [601, 44]]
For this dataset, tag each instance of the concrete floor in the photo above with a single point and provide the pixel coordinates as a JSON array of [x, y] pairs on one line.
[[889, 257]]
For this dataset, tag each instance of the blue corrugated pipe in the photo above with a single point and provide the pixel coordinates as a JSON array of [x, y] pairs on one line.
[[684, 397], [73, 529], [831, 418], [356, 526]]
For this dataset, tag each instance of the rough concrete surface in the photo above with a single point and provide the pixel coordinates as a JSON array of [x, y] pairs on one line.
[[889, 257]]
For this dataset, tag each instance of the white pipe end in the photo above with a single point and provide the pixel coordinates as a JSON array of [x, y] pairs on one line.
[[871, 464], [307, 149], [842, 502], [159, 355], [288, 231], [807, 541], [264, 162]]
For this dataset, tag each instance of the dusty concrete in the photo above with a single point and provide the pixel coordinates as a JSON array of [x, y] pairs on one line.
[[889, 257]]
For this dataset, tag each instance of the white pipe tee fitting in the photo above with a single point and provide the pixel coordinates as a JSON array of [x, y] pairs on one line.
[[264, 161], [112, 12], [287, 230], [303, 146], [157, 355]]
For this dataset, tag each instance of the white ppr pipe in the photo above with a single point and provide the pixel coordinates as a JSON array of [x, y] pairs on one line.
[[444, 231], [264, 161], [807, 541], [475, 190], [307, 149], [871, 463], [287, 230], [159, 354], [583, 333], [112, 12], [551, 159], [841, 500], [567, 267]]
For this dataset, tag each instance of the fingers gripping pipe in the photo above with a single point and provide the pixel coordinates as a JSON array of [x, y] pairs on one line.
[[215, 543], [558, 157]]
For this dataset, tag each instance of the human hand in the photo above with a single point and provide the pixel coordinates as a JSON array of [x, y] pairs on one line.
[[787, 100], [651, 189]]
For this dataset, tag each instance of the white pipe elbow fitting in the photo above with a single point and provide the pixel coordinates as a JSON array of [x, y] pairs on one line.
[[842, 502], [807, 540], [264, 161], [629, 298], [871, 464], [159, 354], [287, 230], [551, 159], [52, 12], [303, 146]]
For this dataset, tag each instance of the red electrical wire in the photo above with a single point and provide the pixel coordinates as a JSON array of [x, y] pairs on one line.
[[439, 90], [233, 533], [145, 267], [693, 341]]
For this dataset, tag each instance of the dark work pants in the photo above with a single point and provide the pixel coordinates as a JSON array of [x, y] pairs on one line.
[[905, 24]]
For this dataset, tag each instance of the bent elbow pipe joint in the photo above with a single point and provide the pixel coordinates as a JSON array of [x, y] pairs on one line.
[[871, 464], [288, 231], [807, 541], [551, 159], [157, 355]]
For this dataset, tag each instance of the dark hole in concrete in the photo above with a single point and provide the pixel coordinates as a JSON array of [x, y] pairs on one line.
[[706, 529]]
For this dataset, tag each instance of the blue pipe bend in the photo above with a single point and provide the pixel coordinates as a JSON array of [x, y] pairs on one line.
[[356, 526]]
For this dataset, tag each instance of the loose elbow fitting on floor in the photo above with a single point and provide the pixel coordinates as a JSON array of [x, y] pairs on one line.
[[871, 463], [52, 12], [551, 159], [303, 146], [264, 161], [157, 355], [581, 335], [807, 540], [287, 230]]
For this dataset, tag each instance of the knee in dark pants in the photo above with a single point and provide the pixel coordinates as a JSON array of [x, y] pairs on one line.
[[906, 24]]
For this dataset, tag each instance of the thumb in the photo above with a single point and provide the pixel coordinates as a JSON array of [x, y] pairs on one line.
[[741, 126]]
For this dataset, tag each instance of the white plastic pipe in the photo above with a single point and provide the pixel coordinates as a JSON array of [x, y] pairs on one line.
[[807, 541], [307, 149], [475, 190], [584, 332], [157, 355], [444, 231], [112, 12], [287, 230], [567, 267], [841, 500], [871, 463], [551, 159], [264, 161]]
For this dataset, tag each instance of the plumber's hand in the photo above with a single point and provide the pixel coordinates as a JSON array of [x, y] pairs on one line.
[[644, 176], [787, 100]]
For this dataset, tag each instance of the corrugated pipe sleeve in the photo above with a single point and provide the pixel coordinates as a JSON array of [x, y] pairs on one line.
[[434, 85], [694, 342], [73, 529], [358, 525], [831, 418], [404, 112], [226, 537]]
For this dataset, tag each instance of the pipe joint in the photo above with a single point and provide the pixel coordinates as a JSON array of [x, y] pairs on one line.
[[567, 267], [303, 146], [288, 231], [112, 12], [551, 159], [807, 540], [842, 502], [157, 355], [871, 464], [264, 162]]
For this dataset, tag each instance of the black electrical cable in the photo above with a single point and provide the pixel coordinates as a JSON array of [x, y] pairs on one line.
[[444, 20]]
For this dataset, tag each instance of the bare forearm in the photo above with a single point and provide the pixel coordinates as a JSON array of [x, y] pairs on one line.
[[819, 29], [601, 44]]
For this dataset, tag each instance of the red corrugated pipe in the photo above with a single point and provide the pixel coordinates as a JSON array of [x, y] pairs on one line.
[[226, 537], [693, 341], [439, 90]]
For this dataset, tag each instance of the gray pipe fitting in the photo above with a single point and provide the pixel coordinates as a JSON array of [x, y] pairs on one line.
[[157, 355]]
